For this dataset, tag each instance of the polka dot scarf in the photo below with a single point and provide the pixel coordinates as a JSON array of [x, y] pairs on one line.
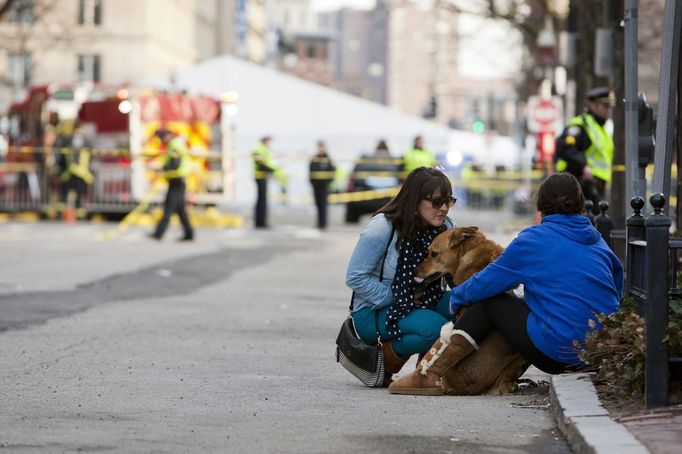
[[412, 253]]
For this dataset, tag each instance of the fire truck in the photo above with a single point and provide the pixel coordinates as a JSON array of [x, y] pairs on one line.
[[118, 126]]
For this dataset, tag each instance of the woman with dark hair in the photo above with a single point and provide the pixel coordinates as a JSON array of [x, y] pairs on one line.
[[569, 275], [386, 299]]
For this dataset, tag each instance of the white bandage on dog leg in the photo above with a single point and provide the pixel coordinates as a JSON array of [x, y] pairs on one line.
[[446, 334]]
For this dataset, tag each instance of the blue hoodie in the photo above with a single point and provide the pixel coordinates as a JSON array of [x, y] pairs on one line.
[[568, 273]]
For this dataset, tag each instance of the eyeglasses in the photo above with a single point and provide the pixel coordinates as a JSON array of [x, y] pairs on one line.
[[437, 202]]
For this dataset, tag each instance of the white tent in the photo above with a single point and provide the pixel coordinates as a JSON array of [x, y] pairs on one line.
[[297, 113]]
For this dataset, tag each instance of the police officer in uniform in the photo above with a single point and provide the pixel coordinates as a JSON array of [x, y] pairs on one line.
[[418, 156], [321, 175], [585, 149], [263, 166], [176, 169]]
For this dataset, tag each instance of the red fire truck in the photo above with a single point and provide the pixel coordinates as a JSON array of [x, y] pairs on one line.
[[118, 126]]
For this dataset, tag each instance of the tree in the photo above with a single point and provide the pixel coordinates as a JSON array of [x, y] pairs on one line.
[[6, 6], [585, 16], [34, 33], [529, 18]]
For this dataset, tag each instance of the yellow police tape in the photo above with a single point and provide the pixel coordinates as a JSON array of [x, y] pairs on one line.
[[209, 217], [114, 153], [473, 180], [359, 196]]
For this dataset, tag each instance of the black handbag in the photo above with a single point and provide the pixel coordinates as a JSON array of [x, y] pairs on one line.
[[365, 361]]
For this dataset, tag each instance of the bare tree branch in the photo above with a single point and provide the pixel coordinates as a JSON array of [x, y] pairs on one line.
[[5, 7]]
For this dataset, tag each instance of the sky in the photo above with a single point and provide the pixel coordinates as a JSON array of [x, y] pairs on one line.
[[487, 49]]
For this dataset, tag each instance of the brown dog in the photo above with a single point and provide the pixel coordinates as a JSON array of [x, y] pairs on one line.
[[495, 366]]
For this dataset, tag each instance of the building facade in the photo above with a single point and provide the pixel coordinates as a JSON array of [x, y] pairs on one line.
[[108, 41], [404, 54]]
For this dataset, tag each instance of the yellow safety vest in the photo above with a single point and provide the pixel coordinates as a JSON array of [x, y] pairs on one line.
[[79, 167], [600, 153], [263, 161], [415, 157], [322, 162], [175, 160]]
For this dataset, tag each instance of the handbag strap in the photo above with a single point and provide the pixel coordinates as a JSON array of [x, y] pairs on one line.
[[381, 279], [381, 273], [383, 260]]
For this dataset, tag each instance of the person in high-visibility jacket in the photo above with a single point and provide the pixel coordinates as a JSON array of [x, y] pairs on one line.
[[585, 149], [321, 171], [263, 166], [418, 156], [74, 166], [175, 170]]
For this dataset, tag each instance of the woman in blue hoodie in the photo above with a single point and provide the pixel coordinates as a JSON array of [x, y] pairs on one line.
[[569, 275]]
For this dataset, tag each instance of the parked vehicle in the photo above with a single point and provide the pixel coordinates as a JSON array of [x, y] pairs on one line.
[[117, 125], [128, 121], [371, 174]]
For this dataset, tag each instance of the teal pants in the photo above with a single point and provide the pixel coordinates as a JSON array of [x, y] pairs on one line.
[[420, 328]]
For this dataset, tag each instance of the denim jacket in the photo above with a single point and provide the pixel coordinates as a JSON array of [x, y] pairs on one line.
[[364, 267]]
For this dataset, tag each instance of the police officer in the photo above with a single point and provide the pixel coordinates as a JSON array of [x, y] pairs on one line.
[[176, 169], [585, 149], [74, 166], [263, 166], [321, 175], [418, 156]]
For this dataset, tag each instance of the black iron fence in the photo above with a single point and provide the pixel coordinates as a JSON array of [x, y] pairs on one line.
[[652, 265], [651, 279]]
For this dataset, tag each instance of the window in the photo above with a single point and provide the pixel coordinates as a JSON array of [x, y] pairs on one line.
[[19, 68], [89, 68], [21, 11], [89, 12]]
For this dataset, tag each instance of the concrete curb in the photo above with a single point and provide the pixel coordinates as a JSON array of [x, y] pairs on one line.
[[585, 423]]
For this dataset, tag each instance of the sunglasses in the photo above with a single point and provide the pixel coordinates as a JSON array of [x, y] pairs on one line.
[[437, 202]]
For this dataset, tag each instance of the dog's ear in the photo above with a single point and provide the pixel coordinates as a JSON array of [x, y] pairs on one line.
[[460, 235], [469, 231]]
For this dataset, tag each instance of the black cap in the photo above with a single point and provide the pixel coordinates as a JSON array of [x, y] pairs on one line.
[[603, 95], [162, 132]]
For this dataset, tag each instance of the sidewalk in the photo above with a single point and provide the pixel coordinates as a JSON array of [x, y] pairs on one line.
[[589, 427]]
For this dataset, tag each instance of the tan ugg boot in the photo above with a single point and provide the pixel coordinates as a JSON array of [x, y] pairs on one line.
[[425, 380], [392, 362]]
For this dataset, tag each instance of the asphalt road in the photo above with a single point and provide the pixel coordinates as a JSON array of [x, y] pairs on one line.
[[222, 345]]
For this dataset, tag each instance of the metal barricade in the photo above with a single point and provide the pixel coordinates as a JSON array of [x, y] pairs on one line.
[[31, 179], [25, 186]]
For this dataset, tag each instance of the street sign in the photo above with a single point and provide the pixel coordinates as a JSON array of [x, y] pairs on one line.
[[544, 115]]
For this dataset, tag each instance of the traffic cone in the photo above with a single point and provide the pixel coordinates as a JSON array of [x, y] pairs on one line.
[[69, 215]]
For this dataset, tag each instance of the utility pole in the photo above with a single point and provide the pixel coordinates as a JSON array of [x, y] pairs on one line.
[[619, 202], [632, 169], [667, 98], [568, 55]]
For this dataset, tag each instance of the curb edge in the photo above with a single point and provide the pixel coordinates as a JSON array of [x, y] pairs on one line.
[[583, 420]]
